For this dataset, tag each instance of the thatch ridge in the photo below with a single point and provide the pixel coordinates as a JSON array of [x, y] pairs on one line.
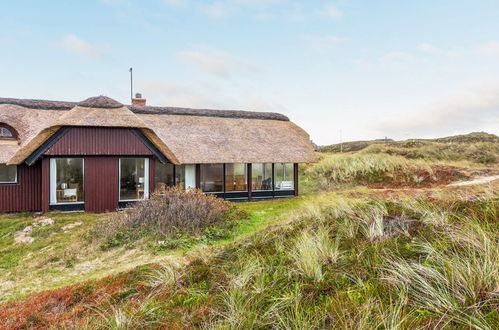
[[66, 105], [206, 112], [101, 101], [39, 104]]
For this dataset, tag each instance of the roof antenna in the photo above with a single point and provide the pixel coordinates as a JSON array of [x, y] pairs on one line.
[[131, 84]]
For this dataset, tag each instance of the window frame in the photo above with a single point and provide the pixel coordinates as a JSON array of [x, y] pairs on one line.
[[53, 181], [146, 179], [16, 181]]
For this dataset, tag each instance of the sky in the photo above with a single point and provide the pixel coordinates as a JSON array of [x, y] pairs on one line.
[[342, 70]]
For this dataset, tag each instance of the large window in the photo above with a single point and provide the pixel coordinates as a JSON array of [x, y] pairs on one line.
[[212, 178], [169, 175], [66, 180], [8, 173], [284, 176], [134, 179], [163, 175], [235, 177], [261, 176]]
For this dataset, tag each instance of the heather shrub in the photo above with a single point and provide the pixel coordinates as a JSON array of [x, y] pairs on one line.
[[171, 214]]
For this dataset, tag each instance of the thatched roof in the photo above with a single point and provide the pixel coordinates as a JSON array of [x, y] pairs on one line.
[[65, 105], [184, 136]]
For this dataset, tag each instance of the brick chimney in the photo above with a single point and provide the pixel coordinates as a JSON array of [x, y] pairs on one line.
[[138, 100]]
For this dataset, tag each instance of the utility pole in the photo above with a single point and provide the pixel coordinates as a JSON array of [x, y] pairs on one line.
[[131, 84]]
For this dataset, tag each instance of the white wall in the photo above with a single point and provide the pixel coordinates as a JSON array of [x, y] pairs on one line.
[[190, 176]]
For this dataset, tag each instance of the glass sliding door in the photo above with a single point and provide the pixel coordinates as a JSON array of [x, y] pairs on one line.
[[66, 180], [134, 179], [235, 177], [212, 178], [261, 176], [284, 176]]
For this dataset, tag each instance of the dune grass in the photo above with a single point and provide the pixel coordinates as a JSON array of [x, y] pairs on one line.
[[346, 262], [478, 152], [478, 147], [335, 169], [349, 257]]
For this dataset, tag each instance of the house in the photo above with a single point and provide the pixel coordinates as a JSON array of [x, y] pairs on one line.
[[99, 155]]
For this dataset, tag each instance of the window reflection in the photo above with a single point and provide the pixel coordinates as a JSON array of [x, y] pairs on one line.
[[134, 178], [261, 176], [212, 178], [235, 177], [8, 173], [69, 180], [284, 176]]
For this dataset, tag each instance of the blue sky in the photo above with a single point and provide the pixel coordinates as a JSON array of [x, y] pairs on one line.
[[369, 69]]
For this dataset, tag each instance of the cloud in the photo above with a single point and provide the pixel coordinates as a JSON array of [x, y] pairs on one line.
[[398, 60], [176, 3], [489, 48], [322, 42], [331, 12], [433, 50], [219, 9], [429, 48], [203, 95], [75, 45], [474, 109], [217, 63]]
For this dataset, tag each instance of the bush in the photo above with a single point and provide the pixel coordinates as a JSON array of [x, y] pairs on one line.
[[169, 214]]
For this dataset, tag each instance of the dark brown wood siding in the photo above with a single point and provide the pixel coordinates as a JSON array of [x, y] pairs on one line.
[[99, 141], [101, 184], [45, 190], [26, 194]]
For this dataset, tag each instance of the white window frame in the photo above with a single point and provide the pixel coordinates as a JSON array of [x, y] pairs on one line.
[[146, 180], [15, 180], [53, 181]]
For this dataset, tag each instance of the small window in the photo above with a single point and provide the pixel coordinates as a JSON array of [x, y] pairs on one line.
[[8, 173], [7, 132]]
